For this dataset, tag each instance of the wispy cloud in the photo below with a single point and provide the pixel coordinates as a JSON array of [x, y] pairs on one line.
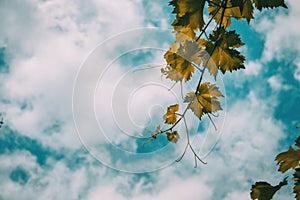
[[46, 41]]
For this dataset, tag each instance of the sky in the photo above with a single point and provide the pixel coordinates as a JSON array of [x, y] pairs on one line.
[[80, 92]]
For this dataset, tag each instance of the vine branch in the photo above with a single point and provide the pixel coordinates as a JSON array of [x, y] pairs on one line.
[[202, 71]]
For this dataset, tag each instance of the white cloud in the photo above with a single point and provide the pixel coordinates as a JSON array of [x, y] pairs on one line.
[[57, 182], [46, 47], [46, 44], [180, 188], [297, 72], [281, 34], [276, 83], [245, 154], [253, 68]]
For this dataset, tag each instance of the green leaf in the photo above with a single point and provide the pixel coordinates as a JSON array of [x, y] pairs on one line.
[[296, 188], [170, 117], [189, 14], [225, 55], [264, 190], [205, 100], [288, 159], [260, 4]]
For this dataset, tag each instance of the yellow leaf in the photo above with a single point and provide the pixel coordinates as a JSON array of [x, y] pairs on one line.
[[173, 136], [184, 34], [157, 130], [298, 142], [172, 74], [189, 14], [174, 47], [264, 190], [206, 59], [229, 12], [205, 101], [170, 117], [245, 7], [289, 159], [224, 54], [248, 10], [269, 4], [296, 178], [180, 63]]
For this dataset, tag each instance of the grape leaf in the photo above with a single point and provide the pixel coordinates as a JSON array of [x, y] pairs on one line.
[[1, 123], [247, 12], [206, 59], [189, 14], [260, 4], [238, 3], [205, 100], [264, 190], [298, 142], [170, 117], [157, 129], [246, 8], [185, 34], [230, 11], [225, 55], [288, 159], [296, 178], [172, 74], [180, 63], [173, 136]]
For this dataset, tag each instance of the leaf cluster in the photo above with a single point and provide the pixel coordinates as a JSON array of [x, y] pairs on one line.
[[199, 49], [205, 100], [286, 160], [264, 190]]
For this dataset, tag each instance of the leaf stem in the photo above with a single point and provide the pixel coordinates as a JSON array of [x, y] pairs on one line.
[[182, 116]]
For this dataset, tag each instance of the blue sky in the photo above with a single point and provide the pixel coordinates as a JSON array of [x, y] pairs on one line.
[[71, 138]]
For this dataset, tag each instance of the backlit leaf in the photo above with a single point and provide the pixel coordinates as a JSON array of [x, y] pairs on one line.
[[185, 34], [296, 178], [189, 14], [173, 136], [298, 142], [247, 12], [289, 159], [230, 11], [170, 117], [246, 8], [225, 55], [180, 63], [238, 3], [260, 4], [157, 130], [264, 190], [205, 101]]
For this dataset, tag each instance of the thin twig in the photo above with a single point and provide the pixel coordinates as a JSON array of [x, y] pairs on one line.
[[213, 123], [206, 26], [149, 67], [181, 90], [172, 86], [182, 116]]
